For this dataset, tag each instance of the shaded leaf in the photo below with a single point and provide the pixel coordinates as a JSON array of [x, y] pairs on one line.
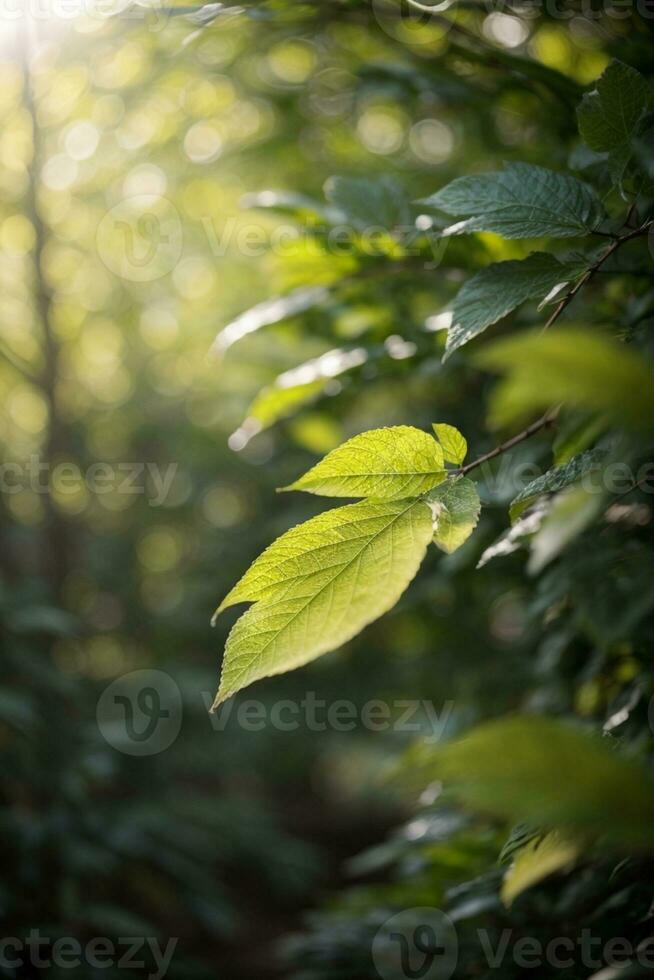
[[499, 288], [295, 205], [609, 117], [556, 479], [521, 201], [368, 203]]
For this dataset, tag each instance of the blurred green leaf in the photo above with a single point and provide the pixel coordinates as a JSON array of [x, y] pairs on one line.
[[369, 202], [577, 367], [571, 513], [538, 860], [549, 774]]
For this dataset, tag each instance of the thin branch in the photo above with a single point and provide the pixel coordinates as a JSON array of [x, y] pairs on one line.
[[504, 447], [56, 538], [588, 275], [551, 415]]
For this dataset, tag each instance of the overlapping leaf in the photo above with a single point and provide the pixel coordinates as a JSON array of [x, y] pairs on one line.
[[456, 508]]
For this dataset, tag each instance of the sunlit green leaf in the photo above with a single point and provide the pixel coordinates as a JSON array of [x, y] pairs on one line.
[[454, 445], [388, 464], [320, 584]]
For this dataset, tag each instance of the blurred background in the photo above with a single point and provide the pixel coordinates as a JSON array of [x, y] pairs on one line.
[[140, 459]]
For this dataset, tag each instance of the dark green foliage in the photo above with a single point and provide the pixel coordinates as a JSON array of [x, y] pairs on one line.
[[338, 121]]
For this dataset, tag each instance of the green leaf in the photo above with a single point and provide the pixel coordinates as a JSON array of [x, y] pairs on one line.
[[556, 479], [575, 432], [521, 201], [538, 860], [456, 507], [368, 203], [516, 536], [297, 206], [577, 367], [570, 515], [549, 774], [293, 390], [320, 584], [610, 116], [500, 288], [271, 405], [389, 464], [266, 314], [454, 445]]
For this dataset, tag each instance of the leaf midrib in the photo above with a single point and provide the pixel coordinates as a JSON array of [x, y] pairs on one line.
[[327, 585]]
